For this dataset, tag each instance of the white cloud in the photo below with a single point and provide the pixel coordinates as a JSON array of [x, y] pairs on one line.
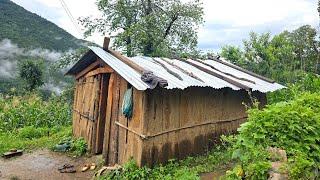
[[227, 21], [255, 12], [10, 51]]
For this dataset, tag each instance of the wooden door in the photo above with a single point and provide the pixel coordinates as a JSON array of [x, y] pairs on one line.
[[89, 110]]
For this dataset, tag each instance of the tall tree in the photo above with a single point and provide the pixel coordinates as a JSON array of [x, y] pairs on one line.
[[319, 7], [148, 27], [284, 57], [31, 71]]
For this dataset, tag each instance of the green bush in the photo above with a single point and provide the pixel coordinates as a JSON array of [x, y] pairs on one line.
[[292, 126], [79, 147], [309, 83], [30, 110]]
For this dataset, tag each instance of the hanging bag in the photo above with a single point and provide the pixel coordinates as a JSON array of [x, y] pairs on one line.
[[127, 104]]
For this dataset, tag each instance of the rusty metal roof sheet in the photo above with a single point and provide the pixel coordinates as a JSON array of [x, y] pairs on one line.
[[183, 70]]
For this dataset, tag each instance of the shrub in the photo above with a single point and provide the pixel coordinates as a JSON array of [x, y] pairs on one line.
[[79, 147], [309, 83], [292, 126]]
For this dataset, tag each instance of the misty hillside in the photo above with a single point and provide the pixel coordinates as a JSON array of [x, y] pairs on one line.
[[25, 35], [28, 30]]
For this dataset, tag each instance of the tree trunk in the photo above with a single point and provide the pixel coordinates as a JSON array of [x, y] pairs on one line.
[[149, 47]]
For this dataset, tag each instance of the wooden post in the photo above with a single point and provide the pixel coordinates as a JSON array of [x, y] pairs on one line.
[[106, 43]]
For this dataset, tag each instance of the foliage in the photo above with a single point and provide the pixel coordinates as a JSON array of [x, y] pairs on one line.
[[30, 110], [292, 126], [284, 57], [79, 147], [31, 31], [153, 28], [25, 139], [68, 59], [31, 72], [307, 83], [189, 168], [233, 54]]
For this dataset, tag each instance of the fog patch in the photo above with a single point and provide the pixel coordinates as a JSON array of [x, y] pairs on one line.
[[9, 52]]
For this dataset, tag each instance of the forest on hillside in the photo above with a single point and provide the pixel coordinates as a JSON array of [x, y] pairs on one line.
[[31, 31]]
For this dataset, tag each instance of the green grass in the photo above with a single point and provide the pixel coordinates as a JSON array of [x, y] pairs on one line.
[[19, 139], [218, 159]]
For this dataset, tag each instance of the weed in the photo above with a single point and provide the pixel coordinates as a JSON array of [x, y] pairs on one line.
[[78, 147], [15, 140], [30, 110], [292, 126], [189, 168]]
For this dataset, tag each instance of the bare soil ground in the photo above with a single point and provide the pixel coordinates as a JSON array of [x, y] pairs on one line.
[[43, 165]]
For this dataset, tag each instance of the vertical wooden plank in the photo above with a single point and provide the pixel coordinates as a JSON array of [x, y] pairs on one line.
[[106, 140], [102, 112], [184, 144], [148, 128], [141, 126], [95, 111], [74, 114], [135, 124], [80, 104], [122, 119], [83, 110], [114, 134], [89, 104]]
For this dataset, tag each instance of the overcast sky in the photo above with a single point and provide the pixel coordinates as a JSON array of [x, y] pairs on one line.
[[226, 21]]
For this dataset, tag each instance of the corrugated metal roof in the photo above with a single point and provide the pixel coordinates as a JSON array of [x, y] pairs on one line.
[[180, 67], [129, 74]]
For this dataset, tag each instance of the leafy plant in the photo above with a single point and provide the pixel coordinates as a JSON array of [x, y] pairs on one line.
[[30, 110], [292, 126], [79, 147], [188, 168], [22, 139]]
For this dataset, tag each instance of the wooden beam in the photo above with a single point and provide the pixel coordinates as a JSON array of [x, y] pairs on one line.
[[223, 77], [101, 70], [87, 69], [226, 73], [106, 43], [244, 70], [126, 61]]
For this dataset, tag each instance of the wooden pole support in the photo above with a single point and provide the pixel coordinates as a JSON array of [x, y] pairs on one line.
[[106, 43]]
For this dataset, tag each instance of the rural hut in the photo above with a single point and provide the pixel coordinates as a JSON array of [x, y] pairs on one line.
[[155, 109]]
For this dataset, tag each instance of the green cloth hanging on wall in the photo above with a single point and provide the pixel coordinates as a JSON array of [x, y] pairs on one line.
[[127, 104]]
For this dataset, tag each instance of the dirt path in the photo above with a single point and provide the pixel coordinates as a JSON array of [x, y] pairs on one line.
[[43, 165]]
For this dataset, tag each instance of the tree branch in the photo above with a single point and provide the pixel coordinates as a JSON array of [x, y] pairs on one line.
[[174, 18]]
